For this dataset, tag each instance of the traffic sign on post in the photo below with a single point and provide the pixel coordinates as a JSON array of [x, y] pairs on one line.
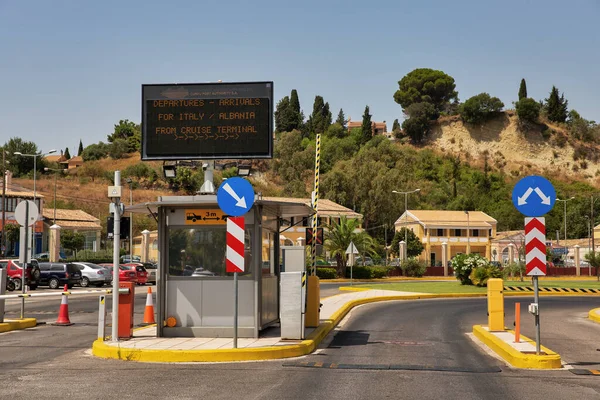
[[235, 244], [534, 196], [20, 213], [535, 246], [235, 196]]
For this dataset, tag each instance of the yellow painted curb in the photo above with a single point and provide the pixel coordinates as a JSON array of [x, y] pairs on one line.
[[353, 289], [550, 360], [594, 315], [17, 324]]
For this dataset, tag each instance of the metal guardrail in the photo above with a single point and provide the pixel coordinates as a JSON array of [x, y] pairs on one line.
[[62, 293]]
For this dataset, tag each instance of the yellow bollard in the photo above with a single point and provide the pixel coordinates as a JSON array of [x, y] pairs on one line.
[[495, 304], [313, 302]]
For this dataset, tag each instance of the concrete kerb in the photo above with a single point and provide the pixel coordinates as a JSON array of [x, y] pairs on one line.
[[103, 350], [594, 315], [514, 357], [14, 325]]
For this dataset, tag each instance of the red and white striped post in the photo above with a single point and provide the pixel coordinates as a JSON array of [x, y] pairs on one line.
[[535, 263], [235, 262]]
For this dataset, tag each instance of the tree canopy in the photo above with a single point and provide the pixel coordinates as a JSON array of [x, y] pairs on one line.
[[480, 107], [522, 89], [556, 106], [21, 165], [366, 128], [425, 85]]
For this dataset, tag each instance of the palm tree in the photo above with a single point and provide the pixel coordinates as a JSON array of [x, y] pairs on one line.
[[338, 236]]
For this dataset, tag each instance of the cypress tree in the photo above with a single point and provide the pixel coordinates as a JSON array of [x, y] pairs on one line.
[[556, 107], [395, 125], [341, 119], [367, 126], [297, 119], [67, 154], [80, 148], [523, 89]]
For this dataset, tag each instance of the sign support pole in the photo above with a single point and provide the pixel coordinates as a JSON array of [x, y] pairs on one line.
[[235, 311], [536, 300], [25, 258], [116, 248]]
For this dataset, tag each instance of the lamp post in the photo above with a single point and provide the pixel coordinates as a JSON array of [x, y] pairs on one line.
[[35, 156], [565, 208], [406, 217], [130, 182], [3, 241], [468, 234], [55, 176]]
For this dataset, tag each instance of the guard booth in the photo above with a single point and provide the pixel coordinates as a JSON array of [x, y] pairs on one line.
[[193, 289]]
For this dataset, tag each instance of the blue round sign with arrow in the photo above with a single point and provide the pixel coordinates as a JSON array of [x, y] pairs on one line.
[[534, 196], [235, 196]]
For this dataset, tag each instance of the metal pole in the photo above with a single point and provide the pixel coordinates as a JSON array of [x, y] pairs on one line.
[[565, 223], [405, 226], [468, 234], [102, 316], [235, 310], [131, 223], [116, 246], [3, 241], [593, 226], [34, 201], [55, 175], [25, 259], [589, 244], [537, 315]]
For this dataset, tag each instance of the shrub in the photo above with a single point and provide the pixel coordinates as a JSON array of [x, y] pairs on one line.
[[96, 257], [513, 269], [359, 272], [463, 264], [528, 110], [379, 272], [480, 108], [480, 275], [413, 267], [118, 148], [326, 273]]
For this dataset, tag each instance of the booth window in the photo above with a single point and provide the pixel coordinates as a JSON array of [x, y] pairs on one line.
[[201, 251], [268, 252]]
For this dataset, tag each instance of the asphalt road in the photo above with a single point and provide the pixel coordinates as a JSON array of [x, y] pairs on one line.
[[396, 350]]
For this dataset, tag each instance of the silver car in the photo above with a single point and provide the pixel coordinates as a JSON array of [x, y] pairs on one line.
[[92, 274]]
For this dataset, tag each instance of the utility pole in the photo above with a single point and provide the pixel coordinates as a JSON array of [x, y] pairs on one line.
[[3, 242], [116, 199], [592, 224]]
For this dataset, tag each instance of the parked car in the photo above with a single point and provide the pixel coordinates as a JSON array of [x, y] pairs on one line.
[[15, 273], [45, 257], [130, 259], [152, 270], [56, 275], [125, 274], [203, 272], [93, 274], [359, 261], [142, 274]]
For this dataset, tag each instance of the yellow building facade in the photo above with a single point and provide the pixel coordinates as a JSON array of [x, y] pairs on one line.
[[459, 232]]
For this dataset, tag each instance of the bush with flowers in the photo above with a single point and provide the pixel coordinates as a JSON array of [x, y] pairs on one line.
[[463, 264]]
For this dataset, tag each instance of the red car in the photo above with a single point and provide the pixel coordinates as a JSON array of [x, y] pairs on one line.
[[142, 274], [15, 272], [125, 274]]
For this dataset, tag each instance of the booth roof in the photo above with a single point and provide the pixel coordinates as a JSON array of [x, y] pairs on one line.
[[279, 206]]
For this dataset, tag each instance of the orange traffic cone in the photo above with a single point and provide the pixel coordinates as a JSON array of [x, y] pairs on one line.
[[63, 312], [149, 311]]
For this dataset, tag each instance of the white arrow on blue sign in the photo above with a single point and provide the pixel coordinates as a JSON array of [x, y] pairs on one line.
[[235, 196], [534, 196]]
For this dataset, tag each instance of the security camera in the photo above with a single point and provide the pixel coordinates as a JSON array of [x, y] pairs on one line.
[[204, 166]]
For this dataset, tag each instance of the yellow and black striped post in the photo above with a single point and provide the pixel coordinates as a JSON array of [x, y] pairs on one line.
[[315, 205]]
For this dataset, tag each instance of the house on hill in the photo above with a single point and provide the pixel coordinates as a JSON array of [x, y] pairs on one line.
[[76, 221], [459, 232], [379, 128]]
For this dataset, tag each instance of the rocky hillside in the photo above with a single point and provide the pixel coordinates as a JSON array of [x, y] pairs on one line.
[[545, 149]]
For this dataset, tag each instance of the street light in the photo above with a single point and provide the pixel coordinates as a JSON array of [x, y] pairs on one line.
[[468, 234], [55, 175], [565, 202], [406, 218], [128, 180], [35, 156]]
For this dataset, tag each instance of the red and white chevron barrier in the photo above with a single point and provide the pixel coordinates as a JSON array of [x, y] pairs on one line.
[[235, 244], [535, 246]]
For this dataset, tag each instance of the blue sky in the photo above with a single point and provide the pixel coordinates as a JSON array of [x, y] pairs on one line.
[[72, 69]]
